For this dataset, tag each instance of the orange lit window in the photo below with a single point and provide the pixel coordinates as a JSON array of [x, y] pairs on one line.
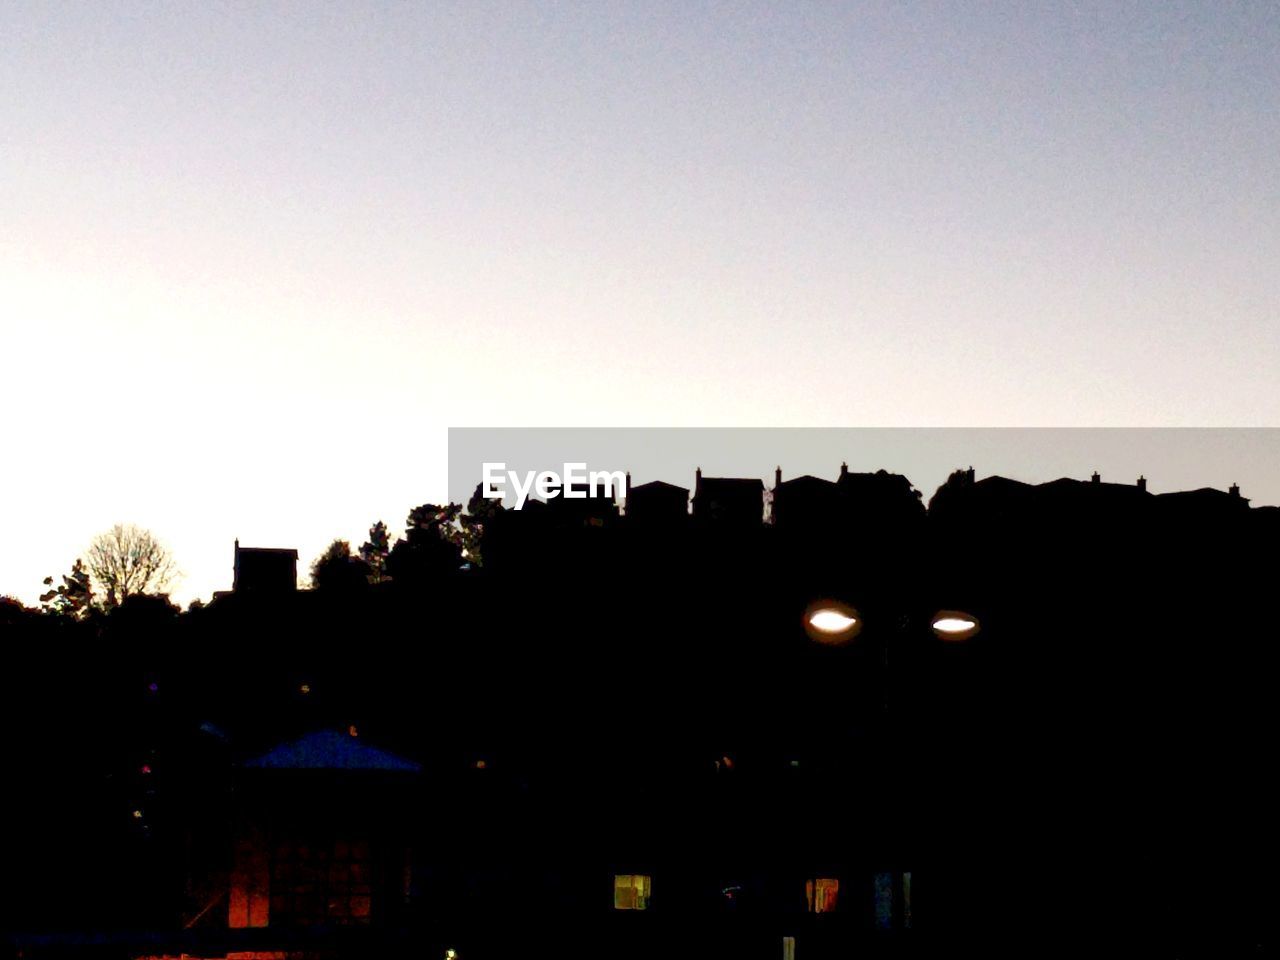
[[820, 894], [321, 883], [630, 891], [249, 884]]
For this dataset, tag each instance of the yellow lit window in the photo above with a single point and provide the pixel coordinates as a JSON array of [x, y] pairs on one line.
[[630, 891], [821, 894]]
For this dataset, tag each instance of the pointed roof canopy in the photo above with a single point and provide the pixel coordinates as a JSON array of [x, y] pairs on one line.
[[330, 750]]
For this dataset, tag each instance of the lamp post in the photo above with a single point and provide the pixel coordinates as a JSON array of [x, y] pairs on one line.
[[836, 623]]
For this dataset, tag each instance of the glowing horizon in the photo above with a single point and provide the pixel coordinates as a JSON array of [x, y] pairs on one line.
[[255, 261]]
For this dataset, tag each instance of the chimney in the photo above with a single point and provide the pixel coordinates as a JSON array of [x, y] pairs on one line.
[[1097, 477], [627, 489], [1235, 490], [1142, 484], [777, 477], [968, 474], [697, 481], [844, 469]]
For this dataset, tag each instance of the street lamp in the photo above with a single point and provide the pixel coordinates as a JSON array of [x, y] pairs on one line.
[[831, 622], [836, 623], [954, 625]]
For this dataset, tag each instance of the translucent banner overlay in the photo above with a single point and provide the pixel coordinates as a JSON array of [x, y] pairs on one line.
[[1167, 460]]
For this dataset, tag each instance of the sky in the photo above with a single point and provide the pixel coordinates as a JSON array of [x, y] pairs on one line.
[[255, 259]]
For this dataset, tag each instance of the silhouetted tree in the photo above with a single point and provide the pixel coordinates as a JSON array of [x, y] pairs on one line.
[[143, 613], [481, 512], [946, 495], [337, 569], [433, 520], [12, 611], [128, 560], [432, 545], [73, 598], [374, 552]]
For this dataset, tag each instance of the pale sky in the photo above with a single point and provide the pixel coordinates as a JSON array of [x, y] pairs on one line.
[[256, 258]]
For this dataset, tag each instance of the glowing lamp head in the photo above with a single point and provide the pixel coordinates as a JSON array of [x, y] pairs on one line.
[[831, 622], [954, 625]]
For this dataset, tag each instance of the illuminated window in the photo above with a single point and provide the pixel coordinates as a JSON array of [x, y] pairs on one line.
[[820, 894], [250, 881], [630, 891], [325, 883]]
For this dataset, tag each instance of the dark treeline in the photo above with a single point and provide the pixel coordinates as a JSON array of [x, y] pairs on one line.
[[607, 696]]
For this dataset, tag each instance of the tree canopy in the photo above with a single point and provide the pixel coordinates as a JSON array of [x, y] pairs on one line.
[[375, 550], [338, 569], [73, 597], [128, 560]]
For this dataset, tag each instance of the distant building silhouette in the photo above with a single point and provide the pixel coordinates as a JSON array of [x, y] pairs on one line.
[[582, 509], [804, 502], [1205, 502], [612, 738], [728, 502], [657, 503], [265, 570], [879, 501]]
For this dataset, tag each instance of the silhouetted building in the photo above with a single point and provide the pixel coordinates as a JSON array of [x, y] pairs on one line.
[[991, 501], [583, 508], [1076, 505], [320, 838], [728, 502], [1267, 516], [265, 570], [657, 503], [804, 503], [879, 499], [626, 762], [1204, 503]]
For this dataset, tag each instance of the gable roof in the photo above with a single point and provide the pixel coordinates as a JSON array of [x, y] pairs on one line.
[[748, 484], [1071, 487], [658, 485], [330, 750], [1201, 493], [267, 551], [808, 480]]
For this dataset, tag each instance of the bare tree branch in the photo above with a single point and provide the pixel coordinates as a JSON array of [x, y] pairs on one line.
[[128, 560]]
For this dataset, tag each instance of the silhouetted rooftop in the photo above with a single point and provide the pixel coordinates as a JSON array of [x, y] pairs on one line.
[[731, 483], [1204, 495], [1075, 487], [659, 485], [807, 480]]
